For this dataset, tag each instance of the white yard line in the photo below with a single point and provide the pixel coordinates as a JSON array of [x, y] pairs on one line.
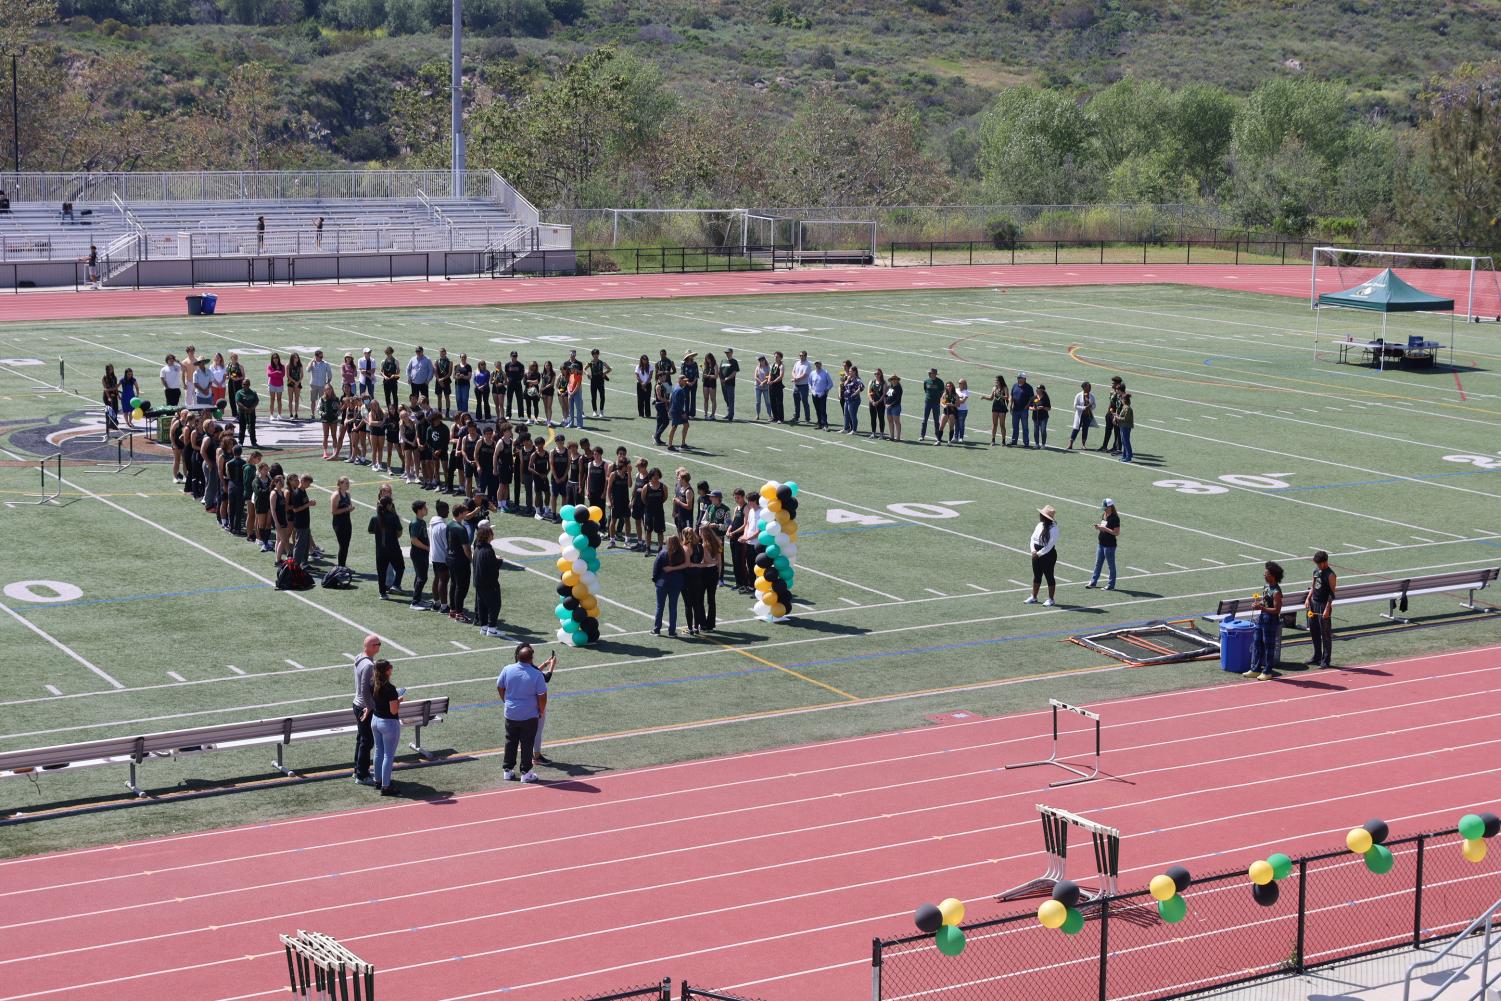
[[62, 646], [176, 677]]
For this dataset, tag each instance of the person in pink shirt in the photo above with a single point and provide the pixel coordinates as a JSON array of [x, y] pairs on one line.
[[276, 383]]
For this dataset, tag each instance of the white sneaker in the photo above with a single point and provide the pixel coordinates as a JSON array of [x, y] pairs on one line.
[[1031, 600], [1048, 603], [508, 775], [530, 777]]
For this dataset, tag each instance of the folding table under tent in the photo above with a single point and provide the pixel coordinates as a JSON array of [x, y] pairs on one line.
[[1387, 293]]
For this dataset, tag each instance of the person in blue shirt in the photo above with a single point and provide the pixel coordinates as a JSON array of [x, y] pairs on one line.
[[419, 373], [523, 689], [679, 407], [819, 384], [1022, 396]]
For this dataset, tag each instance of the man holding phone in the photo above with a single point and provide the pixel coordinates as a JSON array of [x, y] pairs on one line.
[[522, 686]]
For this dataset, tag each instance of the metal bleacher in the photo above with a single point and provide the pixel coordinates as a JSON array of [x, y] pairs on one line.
[[159, 216]]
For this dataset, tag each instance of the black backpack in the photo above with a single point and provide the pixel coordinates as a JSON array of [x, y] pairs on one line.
[[291, 577], [339, 577]]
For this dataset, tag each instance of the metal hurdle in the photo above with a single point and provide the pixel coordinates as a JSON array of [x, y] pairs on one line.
[[56, 460], [319, 967], [1052, 759], [125, 454], [1107, 855]]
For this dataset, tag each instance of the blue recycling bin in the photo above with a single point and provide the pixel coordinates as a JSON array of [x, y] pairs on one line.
[[210, 300], [1236, 636]]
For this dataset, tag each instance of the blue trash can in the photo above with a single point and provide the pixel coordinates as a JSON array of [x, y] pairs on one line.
[[1236, 636], [210, 300]]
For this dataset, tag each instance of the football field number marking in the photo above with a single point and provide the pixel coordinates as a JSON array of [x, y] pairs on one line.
[[30, 590], [1202, 488], [930, 512], [778, 329], [1478, 461]]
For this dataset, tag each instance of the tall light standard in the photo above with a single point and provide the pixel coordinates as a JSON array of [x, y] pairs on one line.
[[15, 119], [456, 99]]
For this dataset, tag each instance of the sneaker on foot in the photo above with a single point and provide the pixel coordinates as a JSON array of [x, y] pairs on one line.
[[1031, 600], [1048, 603], [529, 777], [508, 775], [1265, 676]]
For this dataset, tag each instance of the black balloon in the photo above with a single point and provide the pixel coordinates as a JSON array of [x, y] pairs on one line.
[[1066, 892], [1377, 829], [1492, 824], [1266, 894], [564, 591], [784, 494], [763, 561], [579, 615], [929, 919], [570, 602], [1179, 876]]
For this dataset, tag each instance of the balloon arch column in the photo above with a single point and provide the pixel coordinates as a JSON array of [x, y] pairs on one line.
[[776, 551], [578, 591]]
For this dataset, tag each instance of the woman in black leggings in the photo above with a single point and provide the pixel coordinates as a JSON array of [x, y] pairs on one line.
[[341, 506], [1044, 549], [693, 579]]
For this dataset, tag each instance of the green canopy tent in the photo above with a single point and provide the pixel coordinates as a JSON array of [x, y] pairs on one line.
[[1387, 293]]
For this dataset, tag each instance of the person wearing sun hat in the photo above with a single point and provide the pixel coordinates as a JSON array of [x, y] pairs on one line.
[[1109, 527], [1044, 549]]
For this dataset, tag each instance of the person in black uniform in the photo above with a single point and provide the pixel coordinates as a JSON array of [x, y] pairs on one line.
[[484, 465], [340, 506], [541, 490], [661, 396], [690, 372], [486, 582], [596, 471], [638, 503], [599, 374], [654, 515], [559, 464], [618, 487], [513, 372], [1320, 603], [460, 560], [435, 450], [504, 467], [728, 370], [385, 526], [578, 468], [235, 473]]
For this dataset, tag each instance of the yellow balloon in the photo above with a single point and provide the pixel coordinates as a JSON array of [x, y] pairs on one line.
[[564, 565], [760, 571], [580, 591], [595, 514], [952, 911], [1052, 914], [775, 507], [1261, 873], [1474, 851], [570, 578], [763, 586], [1163, 888], [1359, 841], [769, 491], [778, 610]]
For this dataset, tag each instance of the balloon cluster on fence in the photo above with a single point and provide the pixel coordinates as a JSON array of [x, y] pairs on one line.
[[1475, 828], [776, 548], [1062, 911], [942, 921], [1369, 842], [1167, 890], [1265, 874], [139, 407], [578, 593]]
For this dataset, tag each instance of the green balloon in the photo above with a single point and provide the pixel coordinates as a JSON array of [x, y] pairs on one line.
[[1282, 866], [950, 940], [570, 625], [1172, 910], [1074, 923], [773, 550], [1471, 827], [1379, 860]]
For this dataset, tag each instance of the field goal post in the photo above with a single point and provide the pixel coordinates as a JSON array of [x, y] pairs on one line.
[[319, 967], [835, 241], [1471, 281], [1055, 828]]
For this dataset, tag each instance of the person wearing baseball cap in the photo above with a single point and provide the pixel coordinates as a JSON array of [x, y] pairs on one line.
[[1022, 395], [1044, 549], [1109, 527]]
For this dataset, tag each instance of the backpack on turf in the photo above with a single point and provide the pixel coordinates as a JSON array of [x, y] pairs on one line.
[[339, 577], [291, 577]]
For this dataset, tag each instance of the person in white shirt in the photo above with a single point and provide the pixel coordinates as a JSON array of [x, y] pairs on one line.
[[1044, 548], [962, 395], [217, 373], [320, 374], [203, 383], [1083, 416], [801, 372], [171, 377], [366, 366]]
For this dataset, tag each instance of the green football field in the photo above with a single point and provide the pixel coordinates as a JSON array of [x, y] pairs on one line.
[[127, 609]]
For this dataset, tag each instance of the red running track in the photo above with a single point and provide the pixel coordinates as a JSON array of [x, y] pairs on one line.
[[770, 871], [110, 303]]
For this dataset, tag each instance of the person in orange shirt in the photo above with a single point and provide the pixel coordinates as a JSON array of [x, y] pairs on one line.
[[575, 403]]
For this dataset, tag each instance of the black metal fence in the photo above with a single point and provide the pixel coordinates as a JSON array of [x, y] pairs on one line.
[[1239, 251], [616, 260], [663, 992], [1329, 910]]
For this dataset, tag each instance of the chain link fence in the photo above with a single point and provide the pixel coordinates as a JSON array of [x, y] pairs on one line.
[[1329, 910]]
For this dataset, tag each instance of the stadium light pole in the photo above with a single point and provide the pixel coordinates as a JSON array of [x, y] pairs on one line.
[[456, 99], [15, 120]]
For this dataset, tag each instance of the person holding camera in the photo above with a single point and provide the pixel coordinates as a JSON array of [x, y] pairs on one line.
[[522, 686]]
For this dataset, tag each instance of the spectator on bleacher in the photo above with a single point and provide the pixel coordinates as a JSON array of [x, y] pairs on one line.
[[1268, 605], [67, 211], [367, 370], [129, 390], [93, 266], [348, 375], [4, 201], [171, 380], [245, 403], [320, 374], [443, 380], [1044, 549], [203, 384], [294, 385], [419, 372], [463, 380], [1319, 602], [260, 233], [318, 234], [523, 688], [364, 739], [276, 385]]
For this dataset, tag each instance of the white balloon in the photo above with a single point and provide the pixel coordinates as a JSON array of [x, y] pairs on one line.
[[764, 502], [570, 554], [563, 636], [564, 540], [789, 549], [783, 540], [590, 579], [580, 567]]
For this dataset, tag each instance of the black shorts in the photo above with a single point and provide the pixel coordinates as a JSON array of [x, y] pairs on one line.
[[654, 520]]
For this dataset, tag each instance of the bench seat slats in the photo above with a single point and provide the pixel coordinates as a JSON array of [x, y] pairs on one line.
[[1379, 590]]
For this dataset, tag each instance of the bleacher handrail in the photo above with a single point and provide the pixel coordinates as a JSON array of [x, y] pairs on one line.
[[266, 185], [505, 193]]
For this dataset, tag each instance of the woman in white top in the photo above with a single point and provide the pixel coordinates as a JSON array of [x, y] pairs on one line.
[[644, 380], [1083, 416], [962, 395], [1044, 549], [216, 373], [763, 386]]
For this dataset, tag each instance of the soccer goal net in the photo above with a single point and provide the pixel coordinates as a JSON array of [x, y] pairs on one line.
[[834, 241], [1470, 281]]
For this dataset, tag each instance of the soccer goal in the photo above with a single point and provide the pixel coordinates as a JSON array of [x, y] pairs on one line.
[[1470, 281], [719, 229], [835, 241]]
